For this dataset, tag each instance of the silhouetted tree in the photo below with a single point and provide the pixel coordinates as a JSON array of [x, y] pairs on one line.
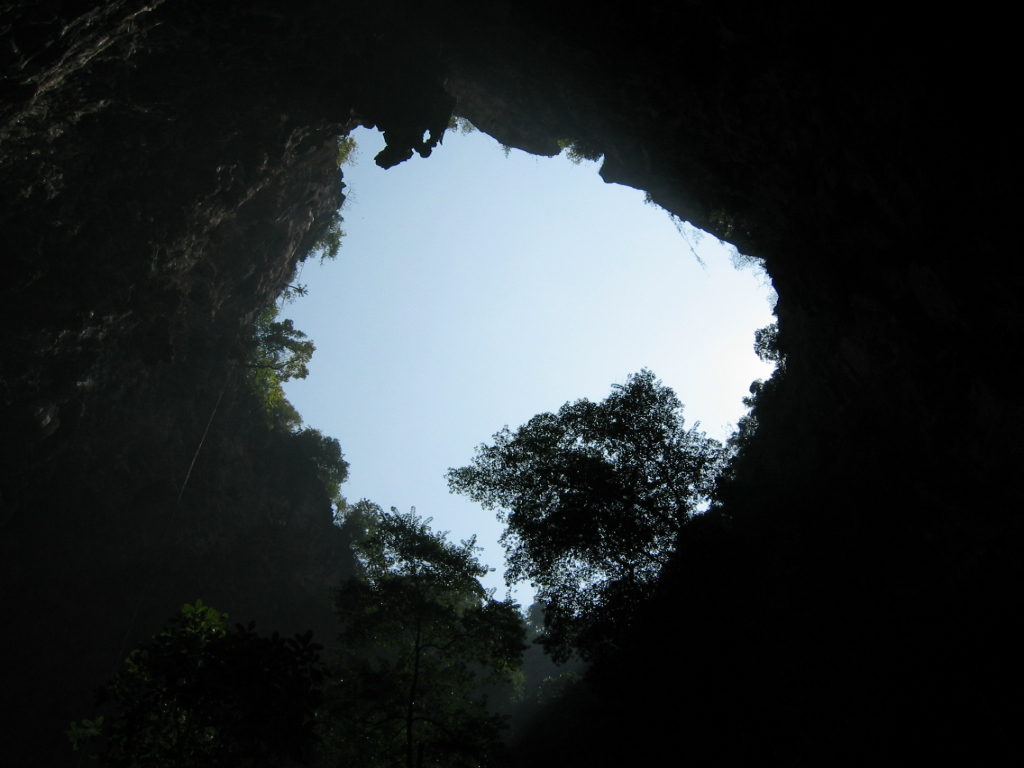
[[593, 497], [202, 694], [420, 639], [281, 347], [311, 447]]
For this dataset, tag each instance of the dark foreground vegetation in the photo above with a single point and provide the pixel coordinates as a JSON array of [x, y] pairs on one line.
[[853, 594]]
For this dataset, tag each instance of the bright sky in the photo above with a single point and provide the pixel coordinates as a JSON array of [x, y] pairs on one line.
[[475, 290]]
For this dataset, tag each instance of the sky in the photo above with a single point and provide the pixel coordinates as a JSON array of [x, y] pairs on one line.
[[476, 288]]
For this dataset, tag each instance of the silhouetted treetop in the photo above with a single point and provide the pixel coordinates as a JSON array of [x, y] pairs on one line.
[[594, 497], [420, 639]]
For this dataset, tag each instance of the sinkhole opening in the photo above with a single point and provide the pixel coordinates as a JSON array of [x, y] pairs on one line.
[[481, 286]]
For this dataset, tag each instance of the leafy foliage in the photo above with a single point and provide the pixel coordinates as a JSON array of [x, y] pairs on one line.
[[281, 352], [312, 448], [329, 243], [346, 150], [594, 497], [202, 694], [766, 344], [577, 150], [420, 639], [281, 347]]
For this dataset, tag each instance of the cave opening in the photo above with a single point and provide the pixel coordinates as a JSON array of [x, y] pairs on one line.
[[483, 285]]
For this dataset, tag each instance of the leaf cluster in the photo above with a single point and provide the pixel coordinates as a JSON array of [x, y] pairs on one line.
[[578, 150], [766, 344]]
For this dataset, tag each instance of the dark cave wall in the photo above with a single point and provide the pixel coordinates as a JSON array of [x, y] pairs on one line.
[[854, 590], [164, 165], [150, 211]]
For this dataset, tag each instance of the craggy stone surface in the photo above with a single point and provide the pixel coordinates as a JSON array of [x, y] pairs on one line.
[[163, 165]]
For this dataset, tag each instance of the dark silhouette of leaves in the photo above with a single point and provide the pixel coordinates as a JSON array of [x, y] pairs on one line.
[[594, 497]]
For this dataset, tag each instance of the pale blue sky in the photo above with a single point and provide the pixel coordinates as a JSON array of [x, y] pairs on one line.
[[475, 290]]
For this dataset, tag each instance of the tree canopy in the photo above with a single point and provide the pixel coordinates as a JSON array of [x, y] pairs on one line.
[[203, 694], [593, 497], [421, 638]]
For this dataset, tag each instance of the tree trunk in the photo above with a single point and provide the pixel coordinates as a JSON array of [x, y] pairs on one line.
[[411, 762]]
